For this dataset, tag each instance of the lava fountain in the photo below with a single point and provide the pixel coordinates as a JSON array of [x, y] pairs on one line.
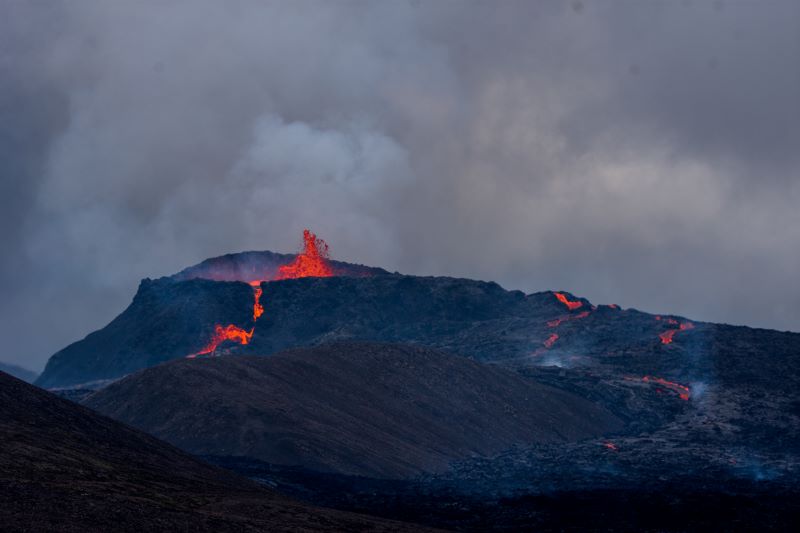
[[311, 262]]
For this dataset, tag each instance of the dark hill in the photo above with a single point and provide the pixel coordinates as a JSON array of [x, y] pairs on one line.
[[65, 468], [367, 409], [18, 372]]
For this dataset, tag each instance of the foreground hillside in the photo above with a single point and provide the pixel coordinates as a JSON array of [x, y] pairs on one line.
[[65, 468], [386, 411]]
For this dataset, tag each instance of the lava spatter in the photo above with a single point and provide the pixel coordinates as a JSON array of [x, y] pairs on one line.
[[558, 321], [312, 262]]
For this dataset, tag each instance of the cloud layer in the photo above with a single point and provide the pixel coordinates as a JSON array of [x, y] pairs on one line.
[[642, 153]]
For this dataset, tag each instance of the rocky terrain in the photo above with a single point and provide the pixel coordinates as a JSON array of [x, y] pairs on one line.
[[170, 319], [66, 468], [379, 410]]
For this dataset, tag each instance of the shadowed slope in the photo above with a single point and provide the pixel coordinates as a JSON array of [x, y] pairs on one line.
[[358, 408], [65, 468]]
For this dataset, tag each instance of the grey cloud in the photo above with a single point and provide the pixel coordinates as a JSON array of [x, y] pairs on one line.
[[631, 152]]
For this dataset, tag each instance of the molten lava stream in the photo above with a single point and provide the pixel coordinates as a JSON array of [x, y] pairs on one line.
[[557, 322], [551, 340], [564, 300], [228, 333], [683, 391], [667, 336], [258, 309]]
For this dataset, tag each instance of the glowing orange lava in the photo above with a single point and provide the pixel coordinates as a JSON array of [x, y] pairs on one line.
[[258, 309], [611, 446], [228, 333], [551, 340], [312, 262], [682, 390], [564, 300], [666, 337]]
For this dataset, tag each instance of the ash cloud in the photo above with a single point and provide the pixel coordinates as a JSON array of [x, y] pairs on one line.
[[637, 153]]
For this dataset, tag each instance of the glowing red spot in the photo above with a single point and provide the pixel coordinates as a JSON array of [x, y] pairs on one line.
[[551, 340], [613, 306], [667, 336], [611, 446], [564, 300], [312, 262]]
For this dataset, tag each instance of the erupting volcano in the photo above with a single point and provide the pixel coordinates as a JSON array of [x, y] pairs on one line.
[[311, 262]]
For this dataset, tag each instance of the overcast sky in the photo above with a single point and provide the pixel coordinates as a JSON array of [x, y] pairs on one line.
[[632, 152]]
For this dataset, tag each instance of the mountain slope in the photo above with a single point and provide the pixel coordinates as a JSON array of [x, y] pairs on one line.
[[388, 411], [170, 319], [18, 372], [65, 468]]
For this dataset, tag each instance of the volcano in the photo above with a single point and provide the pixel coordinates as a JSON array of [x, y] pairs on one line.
[[346, 386]]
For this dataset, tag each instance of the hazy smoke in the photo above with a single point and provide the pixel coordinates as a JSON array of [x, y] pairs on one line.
[[632, 152]]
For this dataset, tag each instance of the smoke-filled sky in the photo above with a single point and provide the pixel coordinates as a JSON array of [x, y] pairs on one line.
[[640, 153]]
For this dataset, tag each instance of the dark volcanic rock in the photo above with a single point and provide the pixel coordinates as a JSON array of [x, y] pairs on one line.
[[170, 319], [367, 409], [65, 468], [166, 320]]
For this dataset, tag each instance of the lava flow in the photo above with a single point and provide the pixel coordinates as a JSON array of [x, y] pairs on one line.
[[666, 337], [682, 390], [564, 300], [228, 333], [258, 309], [551, 340], [312, 261], [557, 321]]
